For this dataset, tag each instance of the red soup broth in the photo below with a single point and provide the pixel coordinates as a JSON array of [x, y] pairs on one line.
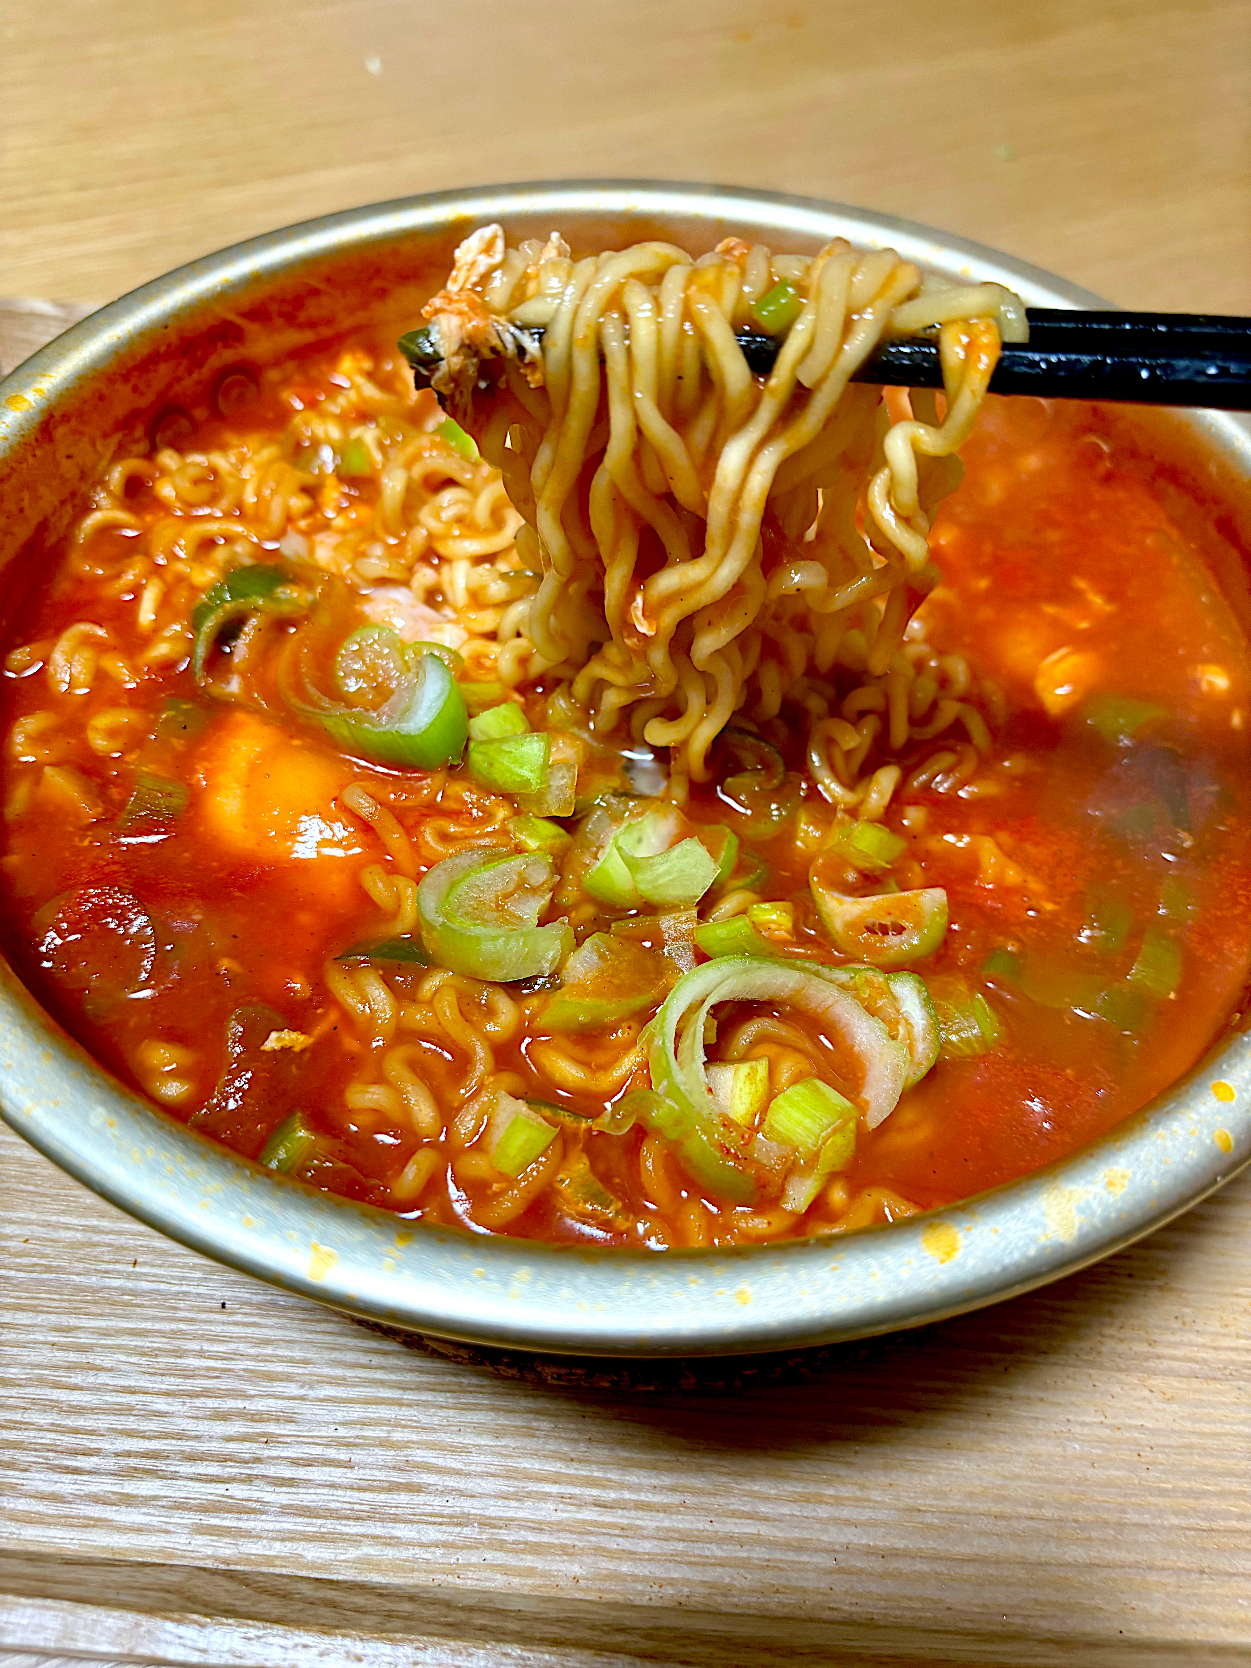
[[1101, 848]]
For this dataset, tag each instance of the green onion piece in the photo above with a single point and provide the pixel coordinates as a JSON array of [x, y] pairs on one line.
[[538, 834], [1177, 901], [740, 1090], [673, 879], [885, 931], [400, 950], [355, 459], [608, 878], [1140, 822], [181, 720], [557, 796], [259, 589], [1118, 718], [804, 1116], [514, 764], [495, 723], [423, 725], [735, 937], [1158, 967], [721, 844], [521, 1143], [1125, 1007], [867, 845], [777, 918], [453, 659], [605, 980], [766, 767], [450, 430], [713, 1148], [778, 308], [155, 799], [479, 696], [288, 1145], [968, 1023], [1110, 921], [373, 661], [479, 914], [421, 348], [582, 1190], [1003, 964], [673, 935]]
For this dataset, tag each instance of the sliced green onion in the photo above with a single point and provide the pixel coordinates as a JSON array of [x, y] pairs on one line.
[[901, 1002], [1124, 1006], [740, 1090], [538, 834], [479, 914], [1051, 984], [673, 935], [676, 878], [765, 766], [288, 1145], [778, 308], [423, 725], [1158, 966], [154, 799], [886, 931], [605, 980], [399, 950], [776, 918], [259, 589], [968, 1023], [678, 1071], [1177, 901], [495, 723], [421, 348], [608, 878], [1110, 921], [581, 1189], [1140, 822], [514, 764], [721, 843], [521, 1143], [867, 845], [450, 430], [1003, 964], [735, 937], [1118, 718], [812, 828], [374, 661], [479, 696], [452, 658], [181, 720], [558, 794], [804, 1117], [355, 459]]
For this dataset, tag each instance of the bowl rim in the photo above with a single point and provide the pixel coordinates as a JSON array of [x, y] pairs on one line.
[[563, 1299]]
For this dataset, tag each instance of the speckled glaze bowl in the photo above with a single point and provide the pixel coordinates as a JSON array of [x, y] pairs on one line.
[[62, 414]]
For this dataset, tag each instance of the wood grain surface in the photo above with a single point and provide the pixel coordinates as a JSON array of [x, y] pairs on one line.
[[1110, 142], [195, 1469]]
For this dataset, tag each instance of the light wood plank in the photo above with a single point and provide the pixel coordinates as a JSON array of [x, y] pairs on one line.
[[1068, 1468], [1108, 142]]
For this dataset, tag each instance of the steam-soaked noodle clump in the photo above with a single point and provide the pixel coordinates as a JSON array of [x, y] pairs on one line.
[[576, 811], [710, 539]]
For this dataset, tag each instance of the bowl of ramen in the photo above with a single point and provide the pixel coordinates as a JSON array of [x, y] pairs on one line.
[[544, 807]]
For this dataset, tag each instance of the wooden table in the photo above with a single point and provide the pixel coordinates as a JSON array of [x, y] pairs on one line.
[[197, 1470]]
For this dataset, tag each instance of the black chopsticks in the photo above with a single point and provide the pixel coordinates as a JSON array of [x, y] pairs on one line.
[[1143, 358]]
